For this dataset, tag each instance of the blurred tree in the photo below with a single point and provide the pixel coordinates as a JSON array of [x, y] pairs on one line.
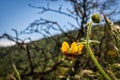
[[44, 60], [79, 11]]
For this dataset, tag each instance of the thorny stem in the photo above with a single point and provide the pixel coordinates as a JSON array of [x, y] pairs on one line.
[[91, 52]]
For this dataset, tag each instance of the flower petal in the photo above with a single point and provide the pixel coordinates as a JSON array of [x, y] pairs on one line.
[[80, 47], [65, 47], [74, 48]]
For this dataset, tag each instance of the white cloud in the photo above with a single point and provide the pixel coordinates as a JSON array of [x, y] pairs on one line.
[[6, 43]]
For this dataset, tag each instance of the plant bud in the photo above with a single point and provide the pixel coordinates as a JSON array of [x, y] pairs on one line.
[[96, 18]]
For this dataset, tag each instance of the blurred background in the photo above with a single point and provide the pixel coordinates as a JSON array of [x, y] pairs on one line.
[[32, 31]]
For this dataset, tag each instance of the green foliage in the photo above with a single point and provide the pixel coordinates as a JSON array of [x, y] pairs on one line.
[[47, 53]]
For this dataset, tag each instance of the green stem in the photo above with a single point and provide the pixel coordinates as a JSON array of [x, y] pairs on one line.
[[16, 71], [91, 52], [88, 31], [96, 62]]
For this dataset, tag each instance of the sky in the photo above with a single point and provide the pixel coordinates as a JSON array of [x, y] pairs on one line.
[[16, 14]]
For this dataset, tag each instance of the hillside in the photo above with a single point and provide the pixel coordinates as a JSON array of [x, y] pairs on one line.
[[42, 59]]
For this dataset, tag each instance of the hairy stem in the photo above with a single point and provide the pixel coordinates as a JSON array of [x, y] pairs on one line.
[[91, 52], [96, 62]]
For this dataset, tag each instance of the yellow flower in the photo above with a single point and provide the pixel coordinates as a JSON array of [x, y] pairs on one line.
[[74, 49], [80, 47], [65, 47]]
